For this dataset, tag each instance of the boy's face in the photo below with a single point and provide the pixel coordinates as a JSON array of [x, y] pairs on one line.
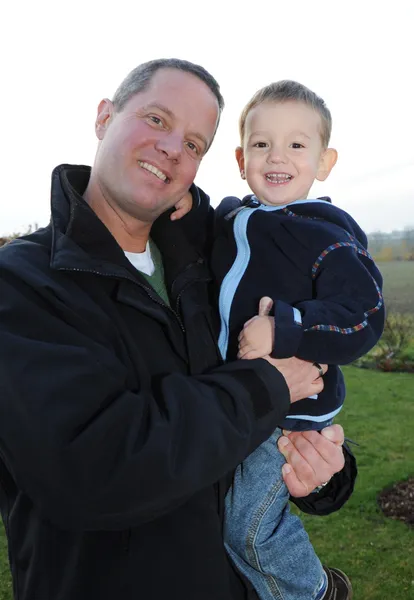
[[282, 152]]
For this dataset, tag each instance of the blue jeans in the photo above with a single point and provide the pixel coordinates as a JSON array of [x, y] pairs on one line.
[[265, 541]]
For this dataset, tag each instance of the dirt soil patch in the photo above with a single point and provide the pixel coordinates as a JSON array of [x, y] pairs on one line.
[[397, 502]]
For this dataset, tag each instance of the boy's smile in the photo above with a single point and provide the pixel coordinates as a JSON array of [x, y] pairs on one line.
[[282, 151], [278, 178]]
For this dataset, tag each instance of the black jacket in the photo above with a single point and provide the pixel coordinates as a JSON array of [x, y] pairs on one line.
[[118, 422]]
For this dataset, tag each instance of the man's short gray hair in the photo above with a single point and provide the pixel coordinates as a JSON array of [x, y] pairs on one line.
[[140, 77]]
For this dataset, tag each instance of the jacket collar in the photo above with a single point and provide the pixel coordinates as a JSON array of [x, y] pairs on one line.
[[82, 242]]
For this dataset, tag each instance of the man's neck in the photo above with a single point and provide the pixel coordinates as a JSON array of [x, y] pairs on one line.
[[131, 234]]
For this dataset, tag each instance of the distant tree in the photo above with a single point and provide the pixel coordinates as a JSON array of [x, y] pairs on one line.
[[397, 245], [408, 241], [4, 240], [386, 254]]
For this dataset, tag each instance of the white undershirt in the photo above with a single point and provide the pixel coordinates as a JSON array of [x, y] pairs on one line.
[[142, 261]]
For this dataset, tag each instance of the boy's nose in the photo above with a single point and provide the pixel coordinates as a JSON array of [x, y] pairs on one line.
[[276, 155]]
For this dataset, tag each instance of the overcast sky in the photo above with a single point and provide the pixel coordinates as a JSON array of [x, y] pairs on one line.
[[60, 58]]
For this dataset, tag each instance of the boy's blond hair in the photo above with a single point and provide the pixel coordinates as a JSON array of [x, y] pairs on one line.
[[286, 91]]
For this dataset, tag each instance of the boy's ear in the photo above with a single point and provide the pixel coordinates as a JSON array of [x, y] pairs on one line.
[[326, 163], [240, 161]]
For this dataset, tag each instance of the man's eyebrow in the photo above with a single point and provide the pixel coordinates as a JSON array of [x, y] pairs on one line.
[[160, 107], [169, 112], [201, 138]]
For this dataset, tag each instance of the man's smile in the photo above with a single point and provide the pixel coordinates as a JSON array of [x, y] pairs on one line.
[[157, 172]]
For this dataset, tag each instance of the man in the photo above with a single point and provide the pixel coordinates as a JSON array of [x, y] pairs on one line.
[[119, 424]]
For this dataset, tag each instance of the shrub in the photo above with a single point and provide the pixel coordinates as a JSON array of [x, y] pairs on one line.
[[8, 238], [395, 350]]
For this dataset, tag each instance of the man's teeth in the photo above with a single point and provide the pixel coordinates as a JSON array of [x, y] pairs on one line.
[[278, 177], [154, 170]]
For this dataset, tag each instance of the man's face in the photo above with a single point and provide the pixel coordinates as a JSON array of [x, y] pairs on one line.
[[282, 151], [150, 151]]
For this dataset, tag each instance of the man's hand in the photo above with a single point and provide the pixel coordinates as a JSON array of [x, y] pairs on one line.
[[182, 207], [312, 458], [302, 377], [258, 334]]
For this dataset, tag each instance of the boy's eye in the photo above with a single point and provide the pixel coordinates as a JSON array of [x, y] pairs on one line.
[[296, 145], [260, 145]]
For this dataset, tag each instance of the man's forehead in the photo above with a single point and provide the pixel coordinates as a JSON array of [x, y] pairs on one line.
[[167, 78], [172, 88], [184, 97]]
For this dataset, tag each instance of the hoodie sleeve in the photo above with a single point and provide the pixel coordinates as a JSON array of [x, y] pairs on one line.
[[345, 319]]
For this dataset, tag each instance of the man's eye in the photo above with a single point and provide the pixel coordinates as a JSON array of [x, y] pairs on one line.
[[296, 145], [193, 147], [155, 120]]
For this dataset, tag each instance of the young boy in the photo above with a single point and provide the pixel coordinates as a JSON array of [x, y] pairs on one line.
[[324, 304]]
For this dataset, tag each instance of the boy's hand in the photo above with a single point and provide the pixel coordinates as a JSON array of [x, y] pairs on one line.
[[258, 334], [256, 341], [182, 207]]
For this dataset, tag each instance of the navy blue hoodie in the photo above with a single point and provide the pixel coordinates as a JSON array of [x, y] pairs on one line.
[[311, 258]]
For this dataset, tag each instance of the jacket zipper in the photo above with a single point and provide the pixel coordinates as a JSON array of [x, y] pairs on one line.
[[177, 302], [144, 287]]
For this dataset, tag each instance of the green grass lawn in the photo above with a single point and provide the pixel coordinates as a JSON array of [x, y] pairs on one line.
[[377, 553], [398, 285], [5, 581]]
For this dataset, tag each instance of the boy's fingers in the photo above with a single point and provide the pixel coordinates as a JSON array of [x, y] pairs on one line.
[[249, 321], [178, 213], [248, 353], [243, 351], [265, 306]]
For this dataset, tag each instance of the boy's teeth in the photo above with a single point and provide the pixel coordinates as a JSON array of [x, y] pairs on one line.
[[278, 177], [153, 169]]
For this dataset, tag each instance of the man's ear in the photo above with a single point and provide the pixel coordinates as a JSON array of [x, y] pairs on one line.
[[103, 118], [240, 161], [326, 163]]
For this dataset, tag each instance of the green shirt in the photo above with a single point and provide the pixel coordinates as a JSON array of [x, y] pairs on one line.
[[156, 280]]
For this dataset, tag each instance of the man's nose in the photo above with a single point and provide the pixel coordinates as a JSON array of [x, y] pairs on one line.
[[171, 145]]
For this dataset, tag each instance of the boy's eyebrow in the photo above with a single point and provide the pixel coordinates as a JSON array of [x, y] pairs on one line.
[[253, 133], [266, 132], [172, 116], [301, 133]]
